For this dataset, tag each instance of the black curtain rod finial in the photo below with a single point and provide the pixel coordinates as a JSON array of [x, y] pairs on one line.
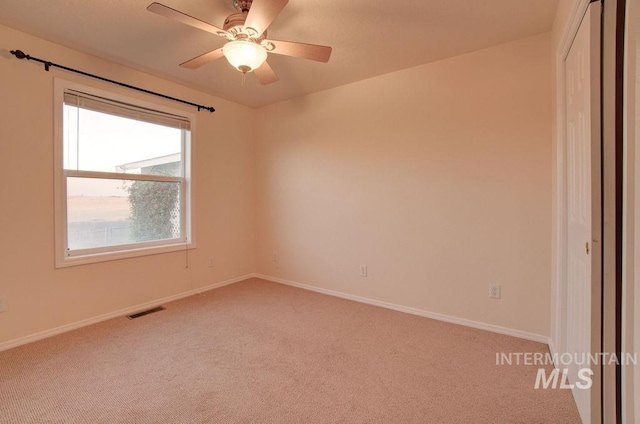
[[19, 54]]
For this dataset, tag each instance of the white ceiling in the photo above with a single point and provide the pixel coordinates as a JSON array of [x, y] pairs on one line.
[[369, 37]]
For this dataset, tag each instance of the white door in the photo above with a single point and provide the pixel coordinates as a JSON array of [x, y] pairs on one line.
[[582, 143]]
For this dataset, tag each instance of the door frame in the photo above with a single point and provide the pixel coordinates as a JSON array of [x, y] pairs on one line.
[[630, 375], [613, 52]]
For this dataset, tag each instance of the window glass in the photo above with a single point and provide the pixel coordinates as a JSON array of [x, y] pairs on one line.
[[95, 141], [109, 212]]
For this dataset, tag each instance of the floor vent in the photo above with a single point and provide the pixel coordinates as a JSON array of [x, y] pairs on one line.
[[147, 312]]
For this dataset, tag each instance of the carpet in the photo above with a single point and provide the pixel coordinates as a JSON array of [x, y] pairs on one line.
[[261, 352]]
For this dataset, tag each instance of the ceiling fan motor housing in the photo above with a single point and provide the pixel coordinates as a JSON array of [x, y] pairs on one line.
[[234, 25]]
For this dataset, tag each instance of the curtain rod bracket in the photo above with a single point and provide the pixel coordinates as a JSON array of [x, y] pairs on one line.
[[19, 54]]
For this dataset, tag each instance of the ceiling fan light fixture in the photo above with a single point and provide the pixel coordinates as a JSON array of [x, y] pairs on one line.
[[245, 56]]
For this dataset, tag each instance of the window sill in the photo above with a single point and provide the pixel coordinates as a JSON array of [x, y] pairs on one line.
[[69, 261]]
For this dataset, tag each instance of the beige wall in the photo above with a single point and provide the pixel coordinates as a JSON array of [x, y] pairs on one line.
[[436, 177], [39, 297]]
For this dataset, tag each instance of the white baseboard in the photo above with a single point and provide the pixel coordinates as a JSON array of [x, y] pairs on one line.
[[553, 350], [126, 311], [414, 311]]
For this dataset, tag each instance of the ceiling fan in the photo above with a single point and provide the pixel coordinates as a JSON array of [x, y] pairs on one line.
[[246, 31]]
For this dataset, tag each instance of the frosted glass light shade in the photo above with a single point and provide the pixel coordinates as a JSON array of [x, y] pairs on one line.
[[244, 55]]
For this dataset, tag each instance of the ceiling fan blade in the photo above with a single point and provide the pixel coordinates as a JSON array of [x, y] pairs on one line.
[[203, 59], [176, 15], [265, 74], [306, 51], [262, 13]]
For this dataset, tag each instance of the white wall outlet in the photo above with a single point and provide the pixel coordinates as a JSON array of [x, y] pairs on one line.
[[494, 291], [363, 270], [2, 305], [212, 262], [275, 257]]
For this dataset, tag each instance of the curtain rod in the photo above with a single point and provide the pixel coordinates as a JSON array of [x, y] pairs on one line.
[[21, 55]]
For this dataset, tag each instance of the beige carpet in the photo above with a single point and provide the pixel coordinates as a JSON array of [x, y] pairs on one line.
[[259, 352]]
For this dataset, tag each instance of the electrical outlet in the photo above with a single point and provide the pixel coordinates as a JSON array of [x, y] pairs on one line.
[[494, 291], [363, 270], [212, 262], [2, 304]]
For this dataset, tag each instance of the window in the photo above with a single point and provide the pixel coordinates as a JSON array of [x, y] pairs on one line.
[[123, 177]]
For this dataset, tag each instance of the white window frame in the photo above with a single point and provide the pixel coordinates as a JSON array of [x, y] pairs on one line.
[[86, 256]]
